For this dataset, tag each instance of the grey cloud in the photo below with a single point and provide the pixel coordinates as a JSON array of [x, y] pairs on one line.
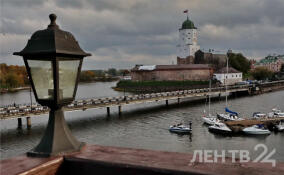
[[22, 3], [120, 32]]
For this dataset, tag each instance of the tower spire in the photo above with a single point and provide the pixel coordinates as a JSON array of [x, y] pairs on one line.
[[187, 15]]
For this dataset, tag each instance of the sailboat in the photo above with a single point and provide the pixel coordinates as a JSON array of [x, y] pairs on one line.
[[210, 120], [229, 115]]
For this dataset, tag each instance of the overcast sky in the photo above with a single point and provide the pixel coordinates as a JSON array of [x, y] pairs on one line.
[[122, 33]]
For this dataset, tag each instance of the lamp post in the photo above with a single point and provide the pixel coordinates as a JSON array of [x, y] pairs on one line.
[[31, 96], [124, 97], [53, 59]]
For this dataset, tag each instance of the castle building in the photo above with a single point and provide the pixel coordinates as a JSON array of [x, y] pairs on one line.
[[188, 50], [187, 67], [217, 60], [185, 72], [187, 44]]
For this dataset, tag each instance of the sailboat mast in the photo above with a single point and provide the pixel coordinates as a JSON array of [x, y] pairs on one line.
[[226, 79], [209, 97]]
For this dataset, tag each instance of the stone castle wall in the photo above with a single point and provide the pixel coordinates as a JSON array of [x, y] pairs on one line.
[[172, 75], [187, 60]]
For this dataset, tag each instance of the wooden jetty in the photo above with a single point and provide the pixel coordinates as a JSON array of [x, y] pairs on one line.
[[238, 126]]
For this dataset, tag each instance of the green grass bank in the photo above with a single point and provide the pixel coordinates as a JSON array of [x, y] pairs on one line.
[[159, 86]]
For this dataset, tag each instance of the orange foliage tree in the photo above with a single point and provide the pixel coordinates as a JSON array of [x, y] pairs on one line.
[[13, 76]]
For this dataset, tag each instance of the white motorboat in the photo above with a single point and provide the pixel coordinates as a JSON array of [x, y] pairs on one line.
[[229, 117], [210, 120], [220, 128], [276, 113], [258, 115], [280, 127], [180, 128], [256, 130]]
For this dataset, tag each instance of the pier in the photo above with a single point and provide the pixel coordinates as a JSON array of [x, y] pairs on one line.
[[27, 111], [238, 126]]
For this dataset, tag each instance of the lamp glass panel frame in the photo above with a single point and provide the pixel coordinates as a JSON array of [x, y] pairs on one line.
[[42, 77], [68, 72], [57, 65]]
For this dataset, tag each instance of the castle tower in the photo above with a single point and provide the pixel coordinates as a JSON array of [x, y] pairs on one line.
[[187, 45]]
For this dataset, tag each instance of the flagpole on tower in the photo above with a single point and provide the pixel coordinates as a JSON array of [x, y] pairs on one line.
[[186, 11]]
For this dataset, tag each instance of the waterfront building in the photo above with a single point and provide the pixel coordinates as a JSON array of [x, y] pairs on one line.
[[187, 44], [196, 72], [272, 63], [233, 76]]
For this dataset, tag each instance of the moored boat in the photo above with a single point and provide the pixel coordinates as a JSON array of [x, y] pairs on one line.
[[229, 117], [220, 128], [256, 130], [210, 120], [280, 127], [276, 113], [258, 115]]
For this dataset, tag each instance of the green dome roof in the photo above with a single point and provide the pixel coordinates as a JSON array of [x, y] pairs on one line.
[[187, 24]]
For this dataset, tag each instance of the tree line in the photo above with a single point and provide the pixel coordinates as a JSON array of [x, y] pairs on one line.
[[242, 64], [13, 76], [102, 75]]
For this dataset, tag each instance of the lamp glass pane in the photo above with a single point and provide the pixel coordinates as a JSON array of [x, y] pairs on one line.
[[68, 70], [42, 76]]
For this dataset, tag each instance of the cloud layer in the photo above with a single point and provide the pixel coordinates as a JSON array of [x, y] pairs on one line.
[[122, 33]]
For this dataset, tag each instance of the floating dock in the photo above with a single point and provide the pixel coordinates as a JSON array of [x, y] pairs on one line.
[[238, 126]]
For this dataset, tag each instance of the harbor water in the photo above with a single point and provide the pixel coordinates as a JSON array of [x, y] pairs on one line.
[[144, 125]]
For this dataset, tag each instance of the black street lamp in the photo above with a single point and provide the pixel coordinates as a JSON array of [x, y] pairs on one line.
[[53, 59]]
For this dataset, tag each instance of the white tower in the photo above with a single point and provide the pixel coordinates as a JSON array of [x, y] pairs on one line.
[[187, 45]]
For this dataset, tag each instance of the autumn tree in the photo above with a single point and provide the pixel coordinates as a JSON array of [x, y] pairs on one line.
[[13, 76], [12, 80], [87, 76], [261, 73]]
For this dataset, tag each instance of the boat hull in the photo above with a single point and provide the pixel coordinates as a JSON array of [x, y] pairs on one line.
[[224, 117], [180, 131], [209, 121], [219, 131], [280, 128], [257, 132]]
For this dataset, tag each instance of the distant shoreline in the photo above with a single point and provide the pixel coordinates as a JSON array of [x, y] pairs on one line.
[[12, 90], [8, 90]]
